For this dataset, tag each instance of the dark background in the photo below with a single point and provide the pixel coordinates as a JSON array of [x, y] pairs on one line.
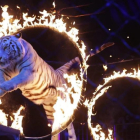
[[98, 21]]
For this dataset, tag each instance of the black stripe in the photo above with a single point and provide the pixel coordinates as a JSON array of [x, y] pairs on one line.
[[5, 73], [25, 54], [35, 87], [51, 86], [38, 94], [23, 62], [36, 99], [9, 69], [40, 86], [45, 89], [49, 111], [15, 66], [38, 78], [27, 92], [36, 82], [25, 67], [50, 104], [18, 50]]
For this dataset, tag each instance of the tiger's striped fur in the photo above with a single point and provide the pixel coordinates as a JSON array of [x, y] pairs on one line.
[[21, 67]]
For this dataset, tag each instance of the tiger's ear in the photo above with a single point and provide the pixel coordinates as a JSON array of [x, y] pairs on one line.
[[18, 35]]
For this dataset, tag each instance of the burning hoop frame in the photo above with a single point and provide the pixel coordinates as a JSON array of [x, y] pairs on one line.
[[11, 26]]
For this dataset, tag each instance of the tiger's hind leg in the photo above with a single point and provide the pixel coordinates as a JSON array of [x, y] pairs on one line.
[[67, 68], [50, 100]]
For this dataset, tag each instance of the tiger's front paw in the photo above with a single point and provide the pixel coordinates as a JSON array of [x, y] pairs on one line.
[[6, 86]]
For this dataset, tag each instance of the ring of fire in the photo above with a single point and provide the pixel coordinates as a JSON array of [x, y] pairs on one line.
[[11, 26], [49, 20]]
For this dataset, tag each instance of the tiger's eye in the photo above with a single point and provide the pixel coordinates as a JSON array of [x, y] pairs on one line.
[[4, 40], [5, 48]]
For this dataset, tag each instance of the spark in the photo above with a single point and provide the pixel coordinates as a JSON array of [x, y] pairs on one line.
[[105, 67], [49, 125], [54, 4], [18, 7]]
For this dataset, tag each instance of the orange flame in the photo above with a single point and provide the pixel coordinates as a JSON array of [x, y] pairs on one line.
[[103, 89], [17, 121], [3, 117], [64, 108]]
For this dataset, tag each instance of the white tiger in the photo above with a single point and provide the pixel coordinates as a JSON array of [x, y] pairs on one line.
[[21, 67]]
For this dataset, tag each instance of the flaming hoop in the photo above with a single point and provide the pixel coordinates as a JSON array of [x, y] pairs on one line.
[[97, 132], [10, 26]]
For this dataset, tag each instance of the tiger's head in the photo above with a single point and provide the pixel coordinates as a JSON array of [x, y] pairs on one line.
[[11, 50]]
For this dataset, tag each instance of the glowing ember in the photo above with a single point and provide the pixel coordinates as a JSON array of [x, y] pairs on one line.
[[54, 4], [49, 125], [105, 67], [18, 7]]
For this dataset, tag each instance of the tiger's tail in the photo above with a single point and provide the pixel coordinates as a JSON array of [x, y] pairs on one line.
[[72, 64], [98, 50]]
